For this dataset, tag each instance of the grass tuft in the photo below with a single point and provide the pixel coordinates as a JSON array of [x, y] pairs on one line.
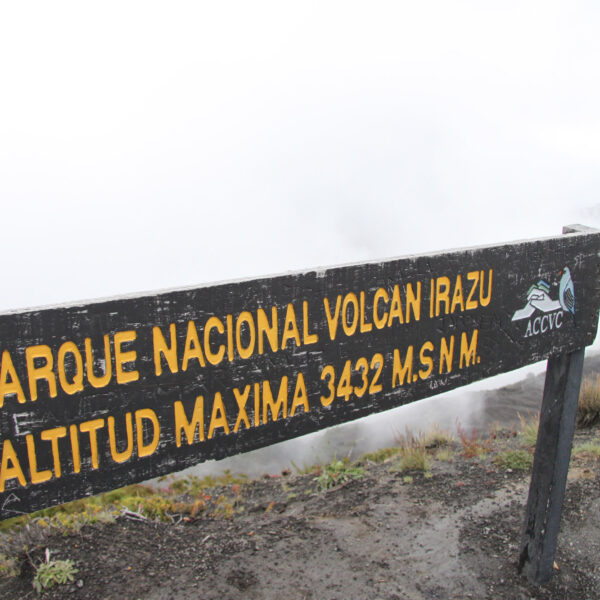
[[529, 430], [516, 460], [588, 412], [380, 456], [587, 450], [412, 459], [473, 445], [337, 473]]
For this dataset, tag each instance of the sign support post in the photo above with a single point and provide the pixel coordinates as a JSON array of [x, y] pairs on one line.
[[550, 466]]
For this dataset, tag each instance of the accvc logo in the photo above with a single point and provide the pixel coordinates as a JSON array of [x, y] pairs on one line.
[[539, 301]]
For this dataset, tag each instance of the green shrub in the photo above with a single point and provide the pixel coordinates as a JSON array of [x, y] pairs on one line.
[[53, 572], [338, 472], [517, 460]]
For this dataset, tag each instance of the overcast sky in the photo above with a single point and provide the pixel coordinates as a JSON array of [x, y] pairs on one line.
[[146, 145]]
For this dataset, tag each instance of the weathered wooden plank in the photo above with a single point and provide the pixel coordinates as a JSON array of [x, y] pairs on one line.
[[98, 395], [550, 466]]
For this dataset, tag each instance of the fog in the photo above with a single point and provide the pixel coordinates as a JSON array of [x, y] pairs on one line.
[[154, 145]]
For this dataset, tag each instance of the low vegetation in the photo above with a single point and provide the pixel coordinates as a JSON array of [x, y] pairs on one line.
[[588, 413], [589, 450], [338, 472], [529, 430], [180, 500], [473, 445], [412, 459], [53, 572], [514, 460]]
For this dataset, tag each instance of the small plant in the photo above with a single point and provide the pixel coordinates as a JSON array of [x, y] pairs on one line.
[[445, 455], [515, 460], [338, 472], [53, 572], [529, 430], [412, 459], [436, 438], [588, 411], [8, 566], [587, 450], [473, 445], [304, 469], [224, 508], [379, 456]]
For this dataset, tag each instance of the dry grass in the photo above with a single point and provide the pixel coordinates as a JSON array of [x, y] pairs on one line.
[[529, 430], [435, 438], [588, 412], [412, 459], [473, 445]]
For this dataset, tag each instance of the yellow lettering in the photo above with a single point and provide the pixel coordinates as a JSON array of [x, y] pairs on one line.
[[121, 357], [265, 328], [229, 327], [256, 404], [12, 471], [332, 320], [350, 328], [36, 476], [364, 327], [400, 371], [431, 297], [241, 399], [91, 427], [457, 297], [290, 328], [396, 307], [468, 350], [43, 371], [189, 427], [442, 295], [485, 301], [269, 403], [413, 302], [70, 387], [245, 317], [149, 415], [300, 396], [169, 351], [308, 338], [446, 354], [74, 436], [213, 323], [218, 417], [380, 293], [98, 382], [474, 277], [192, 347], [52, 436], [117, 456], [426, 360], [12, 386]]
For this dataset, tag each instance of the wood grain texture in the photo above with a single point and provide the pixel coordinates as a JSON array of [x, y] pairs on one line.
[[369, 356], [550, 466]]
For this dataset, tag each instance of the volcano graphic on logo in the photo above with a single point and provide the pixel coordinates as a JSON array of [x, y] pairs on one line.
[[538, 297], [550, 312]]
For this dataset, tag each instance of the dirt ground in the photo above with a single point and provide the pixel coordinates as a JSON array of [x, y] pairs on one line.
[[450, 533]]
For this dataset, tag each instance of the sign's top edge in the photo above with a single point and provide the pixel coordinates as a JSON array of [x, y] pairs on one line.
[[568, 231]]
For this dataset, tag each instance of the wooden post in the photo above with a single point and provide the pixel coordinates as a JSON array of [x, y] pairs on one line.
[[550, 466]]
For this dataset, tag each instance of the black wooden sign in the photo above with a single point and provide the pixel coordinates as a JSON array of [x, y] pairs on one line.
[[97, 395]]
